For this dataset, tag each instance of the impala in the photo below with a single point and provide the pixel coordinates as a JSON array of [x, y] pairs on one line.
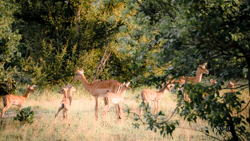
[[213, 81], [155, 96], [231, 86], [115, 98], [71, 89], [10, 99], [65, 105], [97, 89], [200, 70]]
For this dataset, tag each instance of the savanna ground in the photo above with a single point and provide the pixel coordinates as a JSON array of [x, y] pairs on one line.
[[45, 102]]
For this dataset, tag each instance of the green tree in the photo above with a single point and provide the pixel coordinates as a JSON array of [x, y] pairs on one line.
[[9, 40], [190, 33]]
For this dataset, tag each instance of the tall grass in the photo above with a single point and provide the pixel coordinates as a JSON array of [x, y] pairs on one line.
[[45, 103]]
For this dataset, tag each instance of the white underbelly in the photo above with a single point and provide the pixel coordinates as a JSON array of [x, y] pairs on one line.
[[15, 104]]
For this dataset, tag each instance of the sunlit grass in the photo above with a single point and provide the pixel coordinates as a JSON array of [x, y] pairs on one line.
[[45, 103]]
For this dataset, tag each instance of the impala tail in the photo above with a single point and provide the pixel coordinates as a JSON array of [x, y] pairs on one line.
[[4, 101], [106, 100]]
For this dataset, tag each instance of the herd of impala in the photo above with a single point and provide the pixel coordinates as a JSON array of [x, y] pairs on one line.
[[112, 91]]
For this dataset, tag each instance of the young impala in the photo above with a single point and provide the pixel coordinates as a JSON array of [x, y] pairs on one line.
[[17, 100], [65, 105], [155, 96], [98, 88], [115, 98]]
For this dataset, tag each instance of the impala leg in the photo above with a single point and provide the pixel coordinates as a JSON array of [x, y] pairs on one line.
[[60, 108], [156, 103], [106, 108], [120, 110], [158, 106], [68, 119], [117, 110], [3, 111], [96, 108]]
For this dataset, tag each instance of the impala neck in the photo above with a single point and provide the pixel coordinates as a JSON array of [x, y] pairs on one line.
[[26, 94], [65, 94], [164, 90], [70, 91], [198, 77], [122, 93], [232, 89], [85, 83]]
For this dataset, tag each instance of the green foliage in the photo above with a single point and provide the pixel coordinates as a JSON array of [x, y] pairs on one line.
[[26, 115], [7, 82], [154, 122], [220, 111]]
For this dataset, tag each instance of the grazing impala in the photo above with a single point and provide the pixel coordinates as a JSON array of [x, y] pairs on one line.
[[97, 89], [65, 105], [155, 96], [10, 99], [115, 98]]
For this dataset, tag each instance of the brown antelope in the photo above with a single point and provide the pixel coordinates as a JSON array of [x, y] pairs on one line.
[[17, 100], [115, 98], [231, 86], [197, 79], [213, 81], [69, 94], [155, 96], [97, 89], [65, 105]]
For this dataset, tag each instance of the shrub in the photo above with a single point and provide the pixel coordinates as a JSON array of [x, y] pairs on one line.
[[25, 115]]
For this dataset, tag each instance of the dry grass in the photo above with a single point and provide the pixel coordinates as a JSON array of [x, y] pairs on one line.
[[83, 125]]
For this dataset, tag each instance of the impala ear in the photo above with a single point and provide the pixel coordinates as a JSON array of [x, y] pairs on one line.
[[82, 70], [66, 85], [205, 64], [211, 80], [33, 86], [123, 83], [28, 85], [128, 83]]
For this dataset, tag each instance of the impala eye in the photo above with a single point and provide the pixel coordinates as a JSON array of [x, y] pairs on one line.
[[76, 73]]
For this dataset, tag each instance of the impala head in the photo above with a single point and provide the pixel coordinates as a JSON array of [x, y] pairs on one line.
[[230, 84], [125, 86], [63, 90], [202, 69], [31, 88], [213, 81], [70, 87], [78, 73]]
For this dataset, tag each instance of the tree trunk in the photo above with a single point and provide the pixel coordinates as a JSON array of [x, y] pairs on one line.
[[101, 61]]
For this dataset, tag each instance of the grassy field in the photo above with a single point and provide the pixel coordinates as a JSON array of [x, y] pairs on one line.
[[83, 125]]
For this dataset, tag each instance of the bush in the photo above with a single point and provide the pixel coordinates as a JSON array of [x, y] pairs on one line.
[[7, 82], [25, 115]]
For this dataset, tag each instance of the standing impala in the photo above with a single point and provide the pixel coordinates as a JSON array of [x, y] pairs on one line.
[[17, 100], [197, 79], [117, 99], [200, 70], [65, 104], [155, 96], [98, 88]]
